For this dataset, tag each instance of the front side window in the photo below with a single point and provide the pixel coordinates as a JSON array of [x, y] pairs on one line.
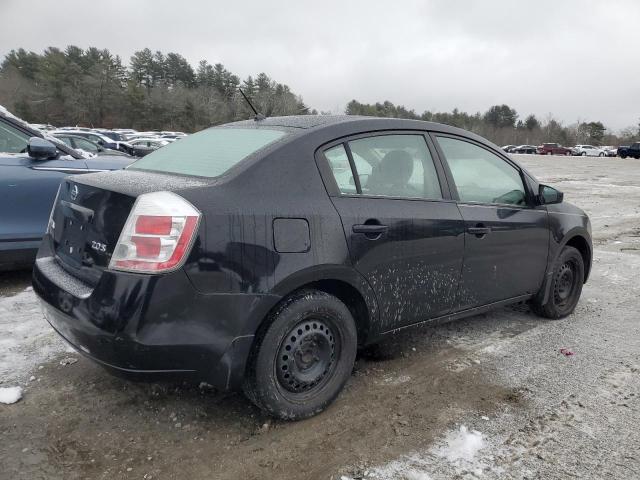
[[481, 176], [12, 140], [388, 165], [209, 153]]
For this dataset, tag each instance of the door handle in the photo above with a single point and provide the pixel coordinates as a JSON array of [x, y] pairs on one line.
[[370, 229], [479, 230]]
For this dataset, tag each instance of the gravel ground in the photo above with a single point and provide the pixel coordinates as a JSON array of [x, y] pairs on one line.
[[487, 397]]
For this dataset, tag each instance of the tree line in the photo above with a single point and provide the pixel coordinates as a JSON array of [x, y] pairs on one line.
[[157, 91], [154, 91], [502, 125]]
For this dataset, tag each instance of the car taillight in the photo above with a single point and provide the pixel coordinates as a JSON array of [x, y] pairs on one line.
[[158, 234]]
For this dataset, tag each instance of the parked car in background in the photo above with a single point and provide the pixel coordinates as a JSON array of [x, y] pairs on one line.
[[236, 256], [525, 149], [587, 151], [144, 146], [552, 149], [631, 151], [115, 136], [610, 151], [31, 168], [508, 148], [84, 144], [101, 140], [45, 127]]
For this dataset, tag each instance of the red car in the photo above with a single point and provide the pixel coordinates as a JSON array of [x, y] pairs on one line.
[[553, 149]]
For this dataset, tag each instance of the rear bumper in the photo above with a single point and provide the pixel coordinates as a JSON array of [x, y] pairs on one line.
[[143, 325]]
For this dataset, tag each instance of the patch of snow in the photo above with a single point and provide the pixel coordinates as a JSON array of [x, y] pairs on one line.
[[461, 445], [10, 395], [26, 339], [456, 453], [396, 380]]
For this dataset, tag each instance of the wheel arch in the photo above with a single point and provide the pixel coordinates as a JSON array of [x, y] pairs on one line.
[[579, 242], [341, 281], [577, 238]]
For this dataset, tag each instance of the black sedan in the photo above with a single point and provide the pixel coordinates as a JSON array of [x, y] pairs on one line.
[[525, 149], [261, 254]]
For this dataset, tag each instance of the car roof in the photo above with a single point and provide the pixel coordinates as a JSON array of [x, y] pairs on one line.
[[328, 128], [352, 123]]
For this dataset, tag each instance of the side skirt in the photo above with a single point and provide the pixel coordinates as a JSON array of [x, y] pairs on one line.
[[462, 314]]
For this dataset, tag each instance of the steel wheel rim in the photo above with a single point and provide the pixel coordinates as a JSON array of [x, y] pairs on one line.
[[565, 285], [307, 356]]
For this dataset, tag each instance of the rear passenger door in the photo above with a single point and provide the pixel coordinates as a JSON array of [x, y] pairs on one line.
[[404, 233], [507, 236]]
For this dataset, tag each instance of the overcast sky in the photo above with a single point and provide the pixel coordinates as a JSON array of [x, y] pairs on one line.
[[577, 59]]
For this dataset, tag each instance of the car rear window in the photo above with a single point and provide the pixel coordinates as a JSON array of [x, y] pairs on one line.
[[209, 153]]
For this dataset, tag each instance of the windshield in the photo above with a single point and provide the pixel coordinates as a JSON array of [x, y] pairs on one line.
[[209, 153]]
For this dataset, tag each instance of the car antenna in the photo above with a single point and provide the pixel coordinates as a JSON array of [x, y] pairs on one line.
[[259, 116]]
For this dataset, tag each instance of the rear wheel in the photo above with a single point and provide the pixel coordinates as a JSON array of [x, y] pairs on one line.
[[304, 357], [566, 285]]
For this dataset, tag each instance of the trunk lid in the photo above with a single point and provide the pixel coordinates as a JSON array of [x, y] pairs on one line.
[[91, 211]]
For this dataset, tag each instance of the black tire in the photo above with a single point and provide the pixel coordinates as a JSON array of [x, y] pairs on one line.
[[584, 154], [623, 156], [566, 286], [302, 357]]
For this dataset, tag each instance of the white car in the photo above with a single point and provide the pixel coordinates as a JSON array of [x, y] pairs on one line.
[[588, 150], [144, 146]]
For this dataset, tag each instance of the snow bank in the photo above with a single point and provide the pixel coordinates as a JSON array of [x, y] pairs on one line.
[[10, 394], [26, 339]]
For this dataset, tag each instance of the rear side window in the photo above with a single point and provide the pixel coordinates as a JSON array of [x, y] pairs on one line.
[[481, 176], [387, 165], [209, 153]]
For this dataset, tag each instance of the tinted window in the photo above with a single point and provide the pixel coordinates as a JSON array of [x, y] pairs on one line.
[[12, 140], [481, 176], [395, 166], [209, 153]]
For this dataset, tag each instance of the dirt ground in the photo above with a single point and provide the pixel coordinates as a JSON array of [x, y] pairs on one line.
[[540, 413]]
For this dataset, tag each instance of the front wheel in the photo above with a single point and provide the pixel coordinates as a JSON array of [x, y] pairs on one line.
[[303, 358], [566, 285]]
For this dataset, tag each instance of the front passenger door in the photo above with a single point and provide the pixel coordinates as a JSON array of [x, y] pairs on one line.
[[507, 237]]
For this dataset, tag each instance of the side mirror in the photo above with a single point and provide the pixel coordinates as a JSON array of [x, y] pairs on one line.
[[41, 149], [548, 195]]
